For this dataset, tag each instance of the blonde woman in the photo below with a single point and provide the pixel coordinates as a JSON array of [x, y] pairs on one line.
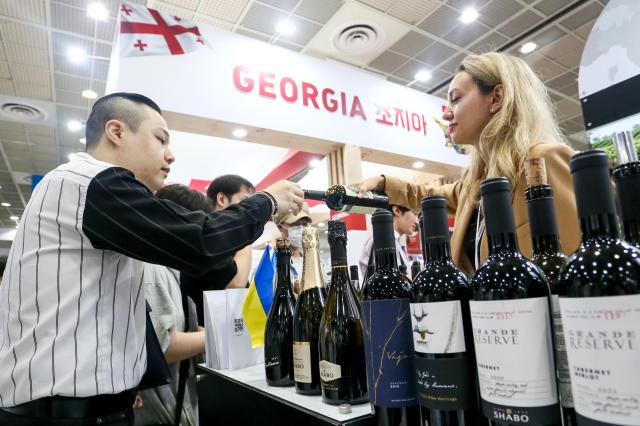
[[501, 109]]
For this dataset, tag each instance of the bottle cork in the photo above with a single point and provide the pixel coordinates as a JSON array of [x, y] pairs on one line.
[[535, 171]]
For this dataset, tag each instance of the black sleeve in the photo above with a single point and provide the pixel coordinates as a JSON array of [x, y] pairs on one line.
[[122, 215]]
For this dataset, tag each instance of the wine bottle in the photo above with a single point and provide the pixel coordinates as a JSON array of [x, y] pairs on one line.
[[441, 326], [627, 178], [548, 255], [278, 332], [415, 269], [345, 199], [387, 332], [600, 304], [306, 320], [355, 281], [343, 372], [511, 322]]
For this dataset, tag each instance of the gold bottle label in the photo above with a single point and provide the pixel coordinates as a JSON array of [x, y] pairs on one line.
[[302, 362]]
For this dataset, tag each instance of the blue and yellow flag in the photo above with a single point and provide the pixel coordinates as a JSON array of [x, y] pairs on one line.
[[257, 302]]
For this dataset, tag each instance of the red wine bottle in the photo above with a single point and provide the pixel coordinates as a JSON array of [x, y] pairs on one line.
[[627, 178], [278, 332], [548, 255], [441, 326], [600, 304], [387, 332], [511, 321]]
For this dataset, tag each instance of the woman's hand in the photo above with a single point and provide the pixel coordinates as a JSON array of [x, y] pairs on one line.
[[371, 184]]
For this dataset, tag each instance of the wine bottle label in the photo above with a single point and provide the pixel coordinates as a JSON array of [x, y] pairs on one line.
[[386, 325], [329, 371], [445, 383], [353, 192], [603, 344], [302, 362], [514, 355], [562, 363], [437, 327]]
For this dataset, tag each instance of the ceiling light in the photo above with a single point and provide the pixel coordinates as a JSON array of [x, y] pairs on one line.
[[528, 47], [74, 125], [89, 94], [422, 76], [83, 141], [320, 224], [286, 28], [468, 15], [14, 218], [314, 163], [97, 11], [240, 133], [418, 165], [6, 204], [76, 55]]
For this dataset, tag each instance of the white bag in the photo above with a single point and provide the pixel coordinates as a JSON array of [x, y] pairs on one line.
[[227, 341]]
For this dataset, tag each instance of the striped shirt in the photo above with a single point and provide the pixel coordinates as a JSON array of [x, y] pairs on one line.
[[72, 310]]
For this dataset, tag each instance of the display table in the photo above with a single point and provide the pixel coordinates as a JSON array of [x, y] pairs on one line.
[[242, 397]]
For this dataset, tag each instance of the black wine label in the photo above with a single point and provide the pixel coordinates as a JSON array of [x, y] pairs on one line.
[[538, 416], [445, 383], [386, 325]]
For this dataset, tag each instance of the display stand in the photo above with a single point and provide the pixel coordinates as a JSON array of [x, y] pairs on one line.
[[242, 397]]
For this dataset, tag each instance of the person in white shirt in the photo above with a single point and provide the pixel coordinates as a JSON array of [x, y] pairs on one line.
[[405, 222], [291, 226]]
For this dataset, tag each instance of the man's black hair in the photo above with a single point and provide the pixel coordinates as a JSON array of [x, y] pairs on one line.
[[228, 185], [187, 197], [116, 106], [403, 209]]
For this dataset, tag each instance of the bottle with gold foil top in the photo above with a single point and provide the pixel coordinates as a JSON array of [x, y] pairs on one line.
[[278, 333], [343, 374], [306, 320]]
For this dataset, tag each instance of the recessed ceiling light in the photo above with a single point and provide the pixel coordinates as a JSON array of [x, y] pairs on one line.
[[14, 218], [6, 204], [74, 125], [320, 224], [468, 15], [240, 133], [418, 165], [422, 76], [89, 94], [76, 55], [285, 28], [83, 141], [528, 47], [97, 11], [314, 163]]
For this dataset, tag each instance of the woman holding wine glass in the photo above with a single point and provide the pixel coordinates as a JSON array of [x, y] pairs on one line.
[[501, 110]]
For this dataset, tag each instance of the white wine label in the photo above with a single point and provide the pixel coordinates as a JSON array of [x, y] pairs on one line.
[[437, 327], [353, 192], [603, 343], [329, 371], [302, 362], [562, 363], [514, 354]]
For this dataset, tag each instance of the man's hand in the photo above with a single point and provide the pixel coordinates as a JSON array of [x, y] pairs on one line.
[[371, 184], [288, 195]]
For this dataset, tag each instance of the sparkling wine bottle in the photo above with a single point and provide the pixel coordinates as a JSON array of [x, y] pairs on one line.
[[387, 332], [441, 326], [306, 320], [278, 332], [548, 255], [341, 344], [600, 304], [511, 321]]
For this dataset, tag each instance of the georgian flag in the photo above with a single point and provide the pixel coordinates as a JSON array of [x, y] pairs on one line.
[[149, 32]]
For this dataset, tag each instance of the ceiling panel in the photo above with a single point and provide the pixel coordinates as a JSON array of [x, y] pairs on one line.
[[282, 4], [488, 43], [586, 14], [172, 9], [520, 23], [229, 11], [263, 18], [436, 54], [305, 30], [388, 61], [5, 72], [440, 21], [71, 19], [187, 4], [412, 43], [25, 10], [24, 34], [318, 11], [498, 11], [22, 54], [549, 7], [30, 74], [412, 11], [462, 35]]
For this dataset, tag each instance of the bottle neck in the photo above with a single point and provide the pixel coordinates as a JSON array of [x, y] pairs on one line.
[[434, 251], [506, 242], [311, 272], [339, 266], [386, 258], [546, 244], [283, 269], [601, 225]]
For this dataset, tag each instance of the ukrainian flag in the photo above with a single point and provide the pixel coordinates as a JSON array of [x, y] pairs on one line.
[[257, 302]]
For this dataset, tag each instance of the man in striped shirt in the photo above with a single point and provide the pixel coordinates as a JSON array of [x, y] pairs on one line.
[[72, 311]]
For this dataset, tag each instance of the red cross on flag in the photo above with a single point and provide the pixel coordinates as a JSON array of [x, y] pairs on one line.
[[148, 32]]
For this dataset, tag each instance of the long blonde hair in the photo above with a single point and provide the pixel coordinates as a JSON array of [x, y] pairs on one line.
[[526, 118]]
